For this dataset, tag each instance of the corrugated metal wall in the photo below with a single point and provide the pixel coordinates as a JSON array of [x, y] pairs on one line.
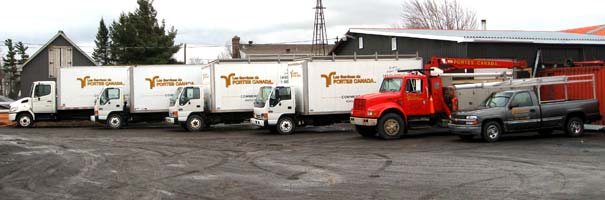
[[578, 90]]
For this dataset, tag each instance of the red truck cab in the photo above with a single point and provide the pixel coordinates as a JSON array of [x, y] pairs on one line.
[[400, 98]]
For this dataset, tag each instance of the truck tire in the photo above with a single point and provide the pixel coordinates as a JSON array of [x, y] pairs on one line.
[[195, 123], [574, 127], [25, 120], [492, 131], [366, 131], [286, 126], [115, 121], [391, 126]]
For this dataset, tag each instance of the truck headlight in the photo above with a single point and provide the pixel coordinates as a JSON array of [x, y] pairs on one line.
[[175, 114], [471, 117], [265, 116], [371, 113]]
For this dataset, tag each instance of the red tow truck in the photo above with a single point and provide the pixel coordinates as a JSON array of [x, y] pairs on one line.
[[417, 97]]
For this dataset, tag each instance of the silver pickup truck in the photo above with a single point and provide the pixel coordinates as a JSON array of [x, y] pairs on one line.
[[520, 111]]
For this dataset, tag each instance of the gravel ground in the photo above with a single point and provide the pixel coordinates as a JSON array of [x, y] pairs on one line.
[[240, 162]]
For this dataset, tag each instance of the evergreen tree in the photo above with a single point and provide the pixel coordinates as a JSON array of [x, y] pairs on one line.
[[101, 52], [138, 38], [10, 68]]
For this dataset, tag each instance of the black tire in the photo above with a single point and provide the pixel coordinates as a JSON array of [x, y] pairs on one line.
[[195, 123], [285, 126], [391, 126], [491, 131], [574, 127], [25, 120], [115, 121], [545, 132], [366, 131], [466, 137]]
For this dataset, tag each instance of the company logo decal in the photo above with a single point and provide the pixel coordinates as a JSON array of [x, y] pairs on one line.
[[156, 81], [88, 81], [232, 79], [294, 74], [333, 78]]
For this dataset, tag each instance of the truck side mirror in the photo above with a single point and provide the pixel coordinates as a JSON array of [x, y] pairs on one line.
[[513, 105]]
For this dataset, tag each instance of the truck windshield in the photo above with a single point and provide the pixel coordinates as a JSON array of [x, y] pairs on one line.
[[262, 96], [174, 96], [499, 99], [391, 85]]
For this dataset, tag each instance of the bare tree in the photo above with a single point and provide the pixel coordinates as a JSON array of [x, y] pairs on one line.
[[432, 14]]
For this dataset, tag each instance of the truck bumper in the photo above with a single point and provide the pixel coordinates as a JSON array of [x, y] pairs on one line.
[[171, 120], [94, 118], [456, 129], [259, 122], [364, 121]]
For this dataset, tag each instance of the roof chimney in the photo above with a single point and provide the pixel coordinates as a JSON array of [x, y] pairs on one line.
[[484, 24], [235, 45]]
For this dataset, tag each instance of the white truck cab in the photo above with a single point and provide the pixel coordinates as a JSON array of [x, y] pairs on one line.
[[187, 108], [109, 107], [275, 109], [41, 104]]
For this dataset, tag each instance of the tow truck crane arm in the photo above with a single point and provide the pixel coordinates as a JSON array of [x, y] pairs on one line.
[[450, 64]]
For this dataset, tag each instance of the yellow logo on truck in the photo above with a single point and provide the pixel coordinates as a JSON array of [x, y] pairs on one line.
[[156, 81], [88, 81], [232, 79], [333, 78]]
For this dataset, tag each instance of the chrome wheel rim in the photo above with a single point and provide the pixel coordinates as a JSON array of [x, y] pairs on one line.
[[575, 127], [195, 123], [25, 121], [285, 126], [391, 127], [115, 122], [492, 132]]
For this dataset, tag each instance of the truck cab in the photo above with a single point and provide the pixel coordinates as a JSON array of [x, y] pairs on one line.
[[109, 107], [275, 109], [40, 104], [401, 99], [187, 108]]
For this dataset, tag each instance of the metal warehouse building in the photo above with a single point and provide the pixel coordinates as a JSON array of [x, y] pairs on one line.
[[546, 46]]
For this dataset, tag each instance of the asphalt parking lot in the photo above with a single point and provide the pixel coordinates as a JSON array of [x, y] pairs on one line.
[[237, 162]]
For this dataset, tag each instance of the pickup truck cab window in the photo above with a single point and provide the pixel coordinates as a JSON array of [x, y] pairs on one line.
[[413, 85], [522, 99], [188, 94], [109, 94], [391, 85], [499, 99], [42, 90], [279, 94]]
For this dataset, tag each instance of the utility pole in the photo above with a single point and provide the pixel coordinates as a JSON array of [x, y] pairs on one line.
[[320, 38], [185, 53]]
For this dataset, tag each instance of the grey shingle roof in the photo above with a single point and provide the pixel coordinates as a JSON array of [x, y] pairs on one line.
[[488, 36]]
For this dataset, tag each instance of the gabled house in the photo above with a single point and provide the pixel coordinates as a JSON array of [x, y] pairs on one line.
[[44, 65]]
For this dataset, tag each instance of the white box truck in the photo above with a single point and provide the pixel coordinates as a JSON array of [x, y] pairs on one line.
[[72, 96], [321, 92], [148, 96], [226, 95]]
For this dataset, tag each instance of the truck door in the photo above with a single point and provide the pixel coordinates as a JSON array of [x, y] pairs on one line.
[[43, 99], [110, 100], [415, 97], [190, 101], [281, 102], [522, 113]]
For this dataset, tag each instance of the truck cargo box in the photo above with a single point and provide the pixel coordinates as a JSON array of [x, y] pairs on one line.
[[79, 86], [232, 86], [579, 90], [330, 86], [152, 86]]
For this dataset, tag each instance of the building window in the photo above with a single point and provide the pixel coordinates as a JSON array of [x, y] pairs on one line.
[[58, 56], [394, 44], [360, 39]]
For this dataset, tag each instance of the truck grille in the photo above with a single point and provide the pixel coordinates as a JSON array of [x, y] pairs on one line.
[[359, 104]]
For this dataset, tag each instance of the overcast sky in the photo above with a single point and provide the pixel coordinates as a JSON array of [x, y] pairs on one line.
[[214, 22]]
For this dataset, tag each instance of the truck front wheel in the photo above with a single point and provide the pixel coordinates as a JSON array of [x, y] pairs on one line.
[[574, 127], [195, 123], [366, 131], [391, 126], [491, 131], [286, 126], [25, 120], [115, 121]]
